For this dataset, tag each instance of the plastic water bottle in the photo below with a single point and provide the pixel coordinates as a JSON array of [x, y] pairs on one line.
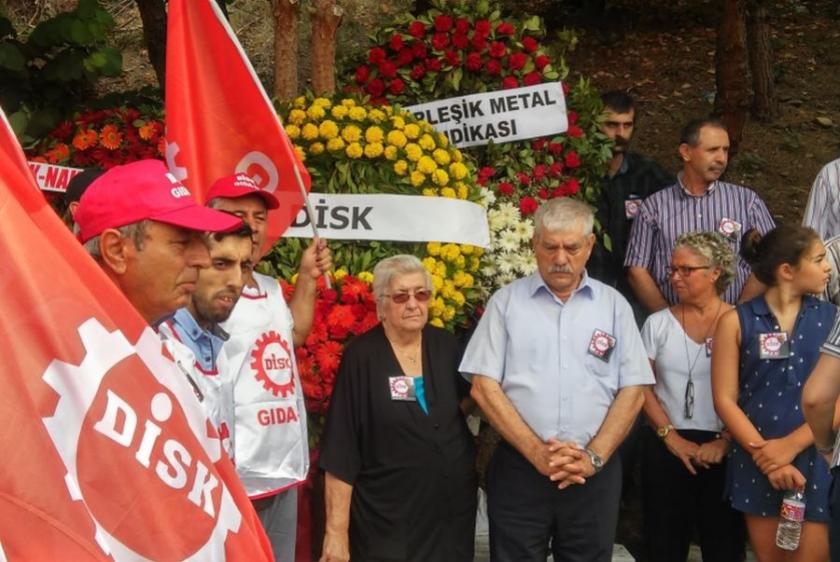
[[790, 520]]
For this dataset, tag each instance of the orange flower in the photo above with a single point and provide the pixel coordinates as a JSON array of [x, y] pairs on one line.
[[85, 139], [149, 130], [59, 153], [110, 137], [161, 146]]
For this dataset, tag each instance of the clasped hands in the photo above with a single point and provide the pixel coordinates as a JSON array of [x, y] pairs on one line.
[[564, 462], [774, 457]]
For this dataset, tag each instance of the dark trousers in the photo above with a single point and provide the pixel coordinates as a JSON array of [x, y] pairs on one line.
[[676, 504], [527, 511], [834, 520]]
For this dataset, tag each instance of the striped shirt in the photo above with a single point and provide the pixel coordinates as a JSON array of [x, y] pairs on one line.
[[822, 213], [725, 208], [831, 346], [832, 254]]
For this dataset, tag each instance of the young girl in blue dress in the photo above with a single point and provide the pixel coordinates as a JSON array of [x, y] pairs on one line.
[[764, 351]]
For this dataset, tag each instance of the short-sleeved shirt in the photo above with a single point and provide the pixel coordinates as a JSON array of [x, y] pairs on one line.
[[770, 394], [832, 347], [413, 475], [726, 208], [674, 352], [822, 213], [560, 364]]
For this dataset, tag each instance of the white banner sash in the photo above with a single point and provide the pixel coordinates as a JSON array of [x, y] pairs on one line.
[[501, 116]]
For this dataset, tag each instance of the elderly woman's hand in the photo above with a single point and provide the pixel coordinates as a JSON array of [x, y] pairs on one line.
[[336, 547]]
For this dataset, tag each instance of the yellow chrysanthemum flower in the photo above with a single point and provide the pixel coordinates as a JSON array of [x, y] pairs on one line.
[[351, 133], [433, 248], [300, 101], [348, 103], [316, 112], [459, 298], [340, 274], [293, 131], [374, 150], [339, 112], [376, 115], [316, 148], [400, 167], [336, 144], [430, 192], [457, 156], [467, 249], [301, 154], [463, 192], [475, 263], [354, 150], [391, 152], [441, 156], [294, 279], [447, 191], [397, 138], [441, 269], [417, 178], [448, 289], [448, 313], [297, 116], [441, 178], [413, 152], [357, 113], [365, 276], [426, 165], [429, 263], [328, 129], [309, 131], [398, 122], [323, 102], [427, 143], [412, 131], [437, 282], [442, 140], [374, 134], [460, 262], [458, 170], [436, 322]]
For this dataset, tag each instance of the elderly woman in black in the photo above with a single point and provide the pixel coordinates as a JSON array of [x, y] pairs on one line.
[[400, 482]]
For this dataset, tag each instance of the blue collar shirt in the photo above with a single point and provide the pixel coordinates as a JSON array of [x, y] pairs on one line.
[[538, 348], [205, 344]]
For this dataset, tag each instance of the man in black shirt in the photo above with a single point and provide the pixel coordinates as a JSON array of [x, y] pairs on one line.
[[630, 178]]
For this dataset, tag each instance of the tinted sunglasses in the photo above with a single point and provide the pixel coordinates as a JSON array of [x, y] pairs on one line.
[[422, 295]]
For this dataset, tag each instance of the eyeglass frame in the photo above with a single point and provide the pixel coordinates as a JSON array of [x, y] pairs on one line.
[[685, 271], [404, 296]]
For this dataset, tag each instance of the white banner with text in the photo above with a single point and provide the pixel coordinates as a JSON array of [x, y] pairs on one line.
[[52, 177], [398, 218], [501, 116]]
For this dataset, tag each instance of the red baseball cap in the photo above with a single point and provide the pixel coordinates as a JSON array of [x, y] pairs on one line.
[[144, 190], [241, 185]]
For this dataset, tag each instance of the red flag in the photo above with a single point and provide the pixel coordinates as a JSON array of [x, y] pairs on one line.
[[219, 120], [107, 455]]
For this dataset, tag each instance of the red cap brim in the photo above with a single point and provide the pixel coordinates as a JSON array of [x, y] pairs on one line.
[[200, 218]]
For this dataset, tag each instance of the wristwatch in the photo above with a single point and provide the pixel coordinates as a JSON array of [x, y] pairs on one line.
[[595, 459], [663, 431]]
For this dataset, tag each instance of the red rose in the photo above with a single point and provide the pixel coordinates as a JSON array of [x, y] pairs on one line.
[[523, 178], [572, 186], [452, 58], [565, 89], [63, 131], [497, 49], [375, 87], [487, 172], [462, 25], [440, 41], [572, 117], [434, 65], [532, 78], [539, 171], [481, 181], [506, 188], [460, 40], [443, 23], [517, 60], [396, 42], [528, 205], [418, 72], [478, 42], [494, 67], [572, 159], [404, 57], [510, 82], [505, 28], [482, 27], [541, 61], [396, 86], [376, 55], [417, 29], [555, 148], [530, 44], [574, 131], [362, 74], [419, 50], [473, 62], [543, 194], [555, 170], [387, 69], [538, 144]]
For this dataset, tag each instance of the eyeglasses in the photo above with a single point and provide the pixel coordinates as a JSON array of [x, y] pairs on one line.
[[421, 295], [685, 270]]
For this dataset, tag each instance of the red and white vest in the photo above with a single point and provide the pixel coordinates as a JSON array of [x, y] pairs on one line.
[[271, 447]]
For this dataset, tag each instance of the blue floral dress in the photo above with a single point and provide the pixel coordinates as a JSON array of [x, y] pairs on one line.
[[770, 394]]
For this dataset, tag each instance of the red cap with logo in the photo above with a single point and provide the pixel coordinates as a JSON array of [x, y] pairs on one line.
[[144, 190], [241, 185]]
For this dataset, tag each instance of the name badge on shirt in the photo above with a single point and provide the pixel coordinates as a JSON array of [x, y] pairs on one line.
[[601, 345], [402, 388], [730, 228], [709, 347], [631, 208], [773, 345]]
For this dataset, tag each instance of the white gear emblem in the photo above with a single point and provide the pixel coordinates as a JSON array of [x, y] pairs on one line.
[[79, 385]]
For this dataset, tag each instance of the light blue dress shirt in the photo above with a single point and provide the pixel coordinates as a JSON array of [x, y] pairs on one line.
[[537, 348], [204, 344]]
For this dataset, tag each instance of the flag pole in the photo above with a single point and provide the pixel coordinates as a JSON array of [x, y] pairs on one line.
[[311, 214]]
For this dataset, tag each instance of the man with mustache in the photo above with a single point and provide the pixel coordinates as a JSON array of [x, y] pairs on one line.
[[557, 367], [698, 202], [631, 178]]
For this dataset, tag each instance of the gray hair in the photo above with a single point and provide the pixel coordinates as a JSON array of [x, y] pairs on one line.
[[387, 269], [136, 231], [563, 213], [715, 250]]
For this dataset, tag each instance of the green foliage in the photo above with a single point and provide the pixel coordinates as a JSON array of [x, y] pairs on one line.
[[55, 67]]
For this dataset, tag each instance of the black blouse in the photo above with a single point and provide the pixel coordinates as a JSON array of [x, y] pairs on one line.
[[413, 477]]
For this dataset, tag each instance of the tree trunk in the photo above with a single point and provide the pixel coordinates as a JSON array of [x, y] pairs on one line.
[[153, 15], [765, 103], [733, 89], [285, 48], [326, 17]]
